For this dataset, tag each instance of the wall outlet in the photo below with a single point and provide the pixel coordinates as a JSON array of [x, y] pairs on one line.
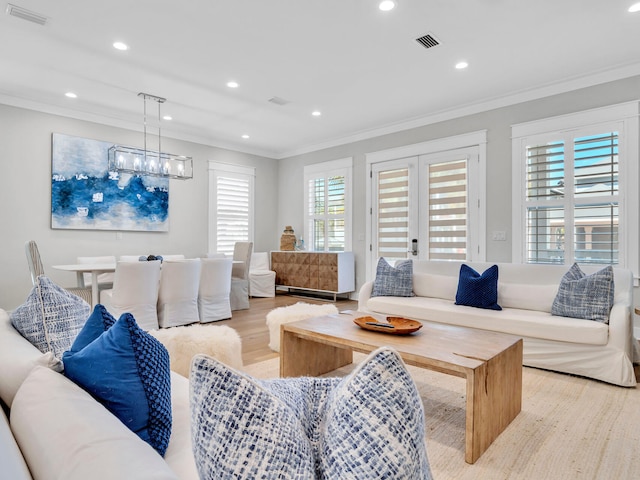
[[499, 236]]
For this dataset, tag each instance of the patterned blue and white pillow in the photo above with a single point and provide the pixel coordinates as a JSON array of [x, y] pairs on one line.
[[369, 424], [589, 297], [51, 317], [393, 281]]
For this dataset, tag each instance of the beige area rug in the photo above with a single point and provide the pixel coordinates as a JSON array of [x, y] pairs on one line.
[[569, 428]]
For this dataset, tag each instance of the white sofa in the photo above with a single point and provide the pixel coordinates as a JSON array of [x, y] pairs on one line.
[[526, 293], [58, 430]]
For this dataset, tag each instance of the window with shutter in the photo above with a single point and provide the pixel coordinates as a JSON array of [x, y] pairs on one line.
[[231, 207], [573, 190], [327, 206], [580, 221]]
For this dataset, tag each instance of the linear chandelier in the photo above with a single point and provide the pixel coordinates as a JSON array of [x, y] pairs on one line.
[[155, 163]]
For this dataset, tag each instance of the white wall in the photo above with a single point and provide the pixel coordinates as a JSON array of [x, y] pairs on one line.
[[498, 123], [25, 201]]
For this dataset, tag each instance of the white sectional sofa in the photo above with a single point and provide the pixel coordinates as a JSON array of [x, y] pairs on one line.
[[57, 430], [526, 292]]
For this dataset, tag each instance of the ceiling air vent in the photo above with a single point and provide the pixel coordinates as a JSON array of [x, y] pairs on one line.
[[25, 14], [428, 41], [279, 101]]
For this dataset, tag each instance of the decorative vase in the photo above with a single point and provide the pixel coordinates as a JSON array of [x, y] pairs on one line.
[[288, 239]]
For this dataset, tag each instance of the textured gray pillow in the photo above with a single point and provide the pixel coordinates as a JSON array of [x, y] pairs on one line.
[[393, 281], [369, 424], [585, 296], [51, 317]]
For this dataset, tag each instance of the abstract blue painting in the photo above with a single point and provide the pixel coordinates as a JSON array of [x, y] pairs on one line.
[[85, 195]]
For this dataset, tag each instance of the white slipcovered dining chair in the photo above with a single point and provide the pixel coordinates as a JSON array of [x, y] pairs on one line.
[[240, 275], [214, 290], [262, 280], [135, 290], [105, 280], [178, 292]]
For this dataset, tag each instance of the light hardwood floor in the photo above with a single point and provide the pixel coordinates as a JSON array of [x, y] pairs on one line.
[[252, 328]]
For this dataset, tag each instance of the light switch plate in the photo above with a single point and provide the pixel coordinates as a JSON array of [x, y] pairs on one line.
[[499, 235]]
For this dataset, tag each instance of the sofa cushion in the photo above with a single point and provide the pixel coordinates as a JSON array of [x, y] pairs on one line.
[[526, 296], [589, 297], [127, 370], [478, 290], [438, 286], [393, 281], [18, 353], [51, 317], [524, 323], [64, 433], [366, 425], [179, 454]]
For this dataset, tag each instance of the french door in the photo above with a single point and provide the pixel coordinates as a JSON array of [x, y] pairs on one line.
[[425, 207]]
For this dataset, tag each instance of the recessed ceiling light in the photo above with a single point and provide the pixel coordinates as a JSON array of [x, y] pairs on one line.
[[120, 46], [167, 117], [461, 65], [387, 5], [232, 84], [316, 113], [634, 8], [71, 95], [245, 136]]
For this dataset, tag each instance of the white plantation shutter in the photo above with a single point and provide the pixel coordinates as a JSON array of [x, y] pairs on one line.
[[448, 210], [578, 223], [393, 213], [231, 207], [545, 177], [327, 200]]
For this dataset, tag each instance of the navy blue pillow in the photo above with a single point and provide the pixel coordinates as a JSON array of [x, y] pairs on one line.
[[475, 290], [127, 370], [98, 322]]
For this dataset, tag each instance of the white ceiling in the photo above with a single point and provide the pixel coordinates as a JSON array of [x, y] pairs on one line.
[[361, 67]]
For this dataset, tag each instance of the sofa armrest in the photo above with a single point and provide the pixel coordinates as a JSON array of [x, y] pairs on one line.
[[17, 358], [621, 328], [364, 295]]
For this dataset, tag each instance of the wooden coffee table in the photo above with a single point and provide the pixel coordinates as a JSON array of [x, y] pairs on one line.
[[491, 363]]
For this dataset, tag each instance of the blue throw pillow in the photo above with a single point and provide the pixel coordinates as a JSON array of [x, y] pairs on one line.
[[475, 290], [589, 297], [393, 281], [51, 317], [369, 424], [127, 370], [98, 322]]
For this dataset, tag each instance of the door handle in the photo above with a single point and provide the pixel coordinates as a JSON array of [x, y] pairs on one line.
[[414, 247]]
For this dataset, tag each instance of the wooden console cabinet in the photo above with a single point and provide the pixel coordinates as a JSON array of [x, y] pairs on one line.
[[331, 272]]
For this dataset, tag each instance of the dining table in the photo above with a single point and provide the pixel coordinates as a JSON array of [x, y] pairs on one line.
[[94, 269]]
